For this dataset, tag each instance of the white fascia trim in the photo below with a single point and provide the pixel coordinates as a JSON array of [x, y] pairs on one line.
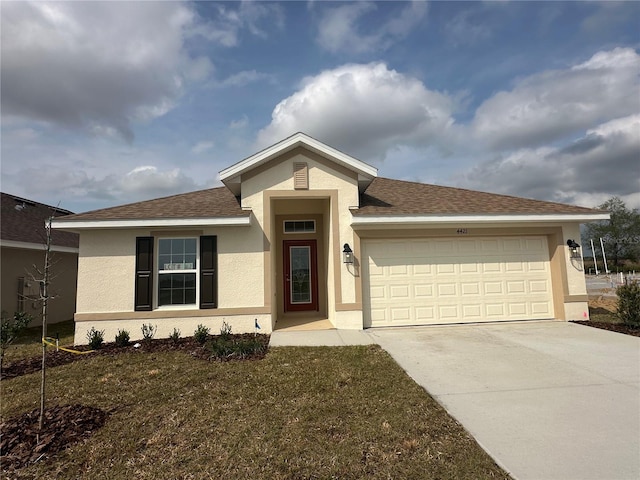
[[37, 246], [151, 223], [293, 141], [469, 219]]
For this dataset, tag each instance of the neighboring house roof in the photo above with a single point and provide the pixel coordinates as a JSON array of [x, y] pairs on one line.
[[202, 204], [23, 221], [231, 176], [397, 197]]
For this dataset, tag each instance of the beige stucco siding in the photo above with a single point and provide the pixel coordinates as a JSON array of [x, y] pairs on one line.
[[576, 306], [106, 268], [326, 181], [19, 262], [240, 266]]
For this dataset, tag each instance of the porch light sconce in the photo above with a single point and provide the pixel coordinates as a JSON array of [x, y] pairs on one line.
[[574, 248], [347, 254]]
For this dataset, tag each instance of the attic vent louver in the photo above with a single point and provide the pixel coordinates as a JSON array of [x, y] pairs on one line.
[[300, 176]]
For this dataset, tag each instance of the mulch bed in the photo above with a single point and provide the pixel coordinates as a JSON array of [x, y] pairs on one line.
[[62, 426], [187, 345], [613, 327]]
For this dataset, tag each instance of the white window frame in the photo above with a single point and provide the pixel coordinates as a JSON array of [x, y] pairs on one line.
[[159, 271]]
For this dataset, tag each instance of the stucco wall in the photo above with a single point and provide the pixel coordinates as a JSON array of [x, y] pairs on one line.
[[165, 326], [576, 306], [276, 179], [106, 269], [18, 262]]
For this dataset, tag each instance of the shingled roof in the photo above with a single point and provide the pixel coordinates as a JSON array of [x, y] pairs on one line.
[[397, 197], [383, 197], [23, 220], [210, 203]]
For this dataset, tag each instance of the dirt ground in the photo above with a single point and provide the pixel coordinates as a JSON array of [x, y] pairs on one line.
[[600, 302]]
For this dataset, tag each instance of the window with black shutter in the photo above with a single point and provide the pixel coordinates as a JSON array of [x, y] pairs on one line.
[[144, 274], [208, 271]]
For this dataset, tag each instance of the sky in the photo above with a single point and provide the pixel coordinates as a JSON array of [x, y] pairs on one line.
[[106, 103]]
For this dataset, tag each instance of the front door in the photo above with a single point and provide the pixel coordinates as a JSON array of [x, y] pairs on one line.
[[300, 276]]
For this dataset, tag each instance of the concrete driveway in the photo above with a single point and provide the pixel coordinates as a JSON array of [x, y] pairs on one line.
[[548, 400]]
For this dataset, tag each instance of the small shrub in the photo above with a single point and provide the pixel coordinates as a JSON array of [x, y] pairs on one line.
[[95, 338], [225, 331], [241, 347], [11, 328], [122, 338], [149, 331], [629, 304], [201, 334], [175, 335]]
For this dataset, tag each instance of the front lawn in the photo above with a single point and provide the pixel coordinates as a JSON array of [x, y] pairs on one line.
[[342, 412], [28, 343]]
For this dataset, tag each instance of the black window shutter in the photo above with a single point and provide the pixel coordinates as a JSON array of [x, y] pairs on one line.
[[144, 274], [209, 271]]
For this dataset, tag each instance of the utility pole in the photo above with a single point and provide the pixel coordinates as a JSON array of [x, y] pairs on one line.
[[593, 250], [604, 257]]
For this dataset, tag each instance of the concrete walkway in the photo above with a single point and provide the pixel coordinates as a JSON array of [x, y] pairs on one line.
[[547, 400], [318, 338]]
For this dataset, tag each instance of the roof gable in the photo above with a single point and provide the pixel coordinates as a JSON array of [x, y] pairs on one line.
[[232, 176]]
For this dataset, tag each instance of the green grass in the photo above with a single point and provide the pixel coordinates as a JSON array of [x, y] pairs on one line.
[[29, 344], [342, 412]]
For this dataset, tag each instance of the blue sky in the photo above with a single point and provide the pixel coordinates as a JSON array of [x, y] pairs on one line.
[[105, 103]]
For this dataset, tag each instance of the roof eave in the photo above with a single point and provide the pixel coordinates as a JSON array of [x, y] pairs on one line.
[[77, 225], [380, 220]]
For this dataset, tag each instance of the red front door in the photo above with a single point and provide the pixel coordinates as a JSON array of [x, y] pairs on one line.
[[300, 275]]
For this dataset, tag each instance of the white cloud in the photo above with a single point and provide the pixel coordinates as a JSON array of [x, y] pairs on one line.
[[228, 23], [148, 181], [246, 77], [95, 66], [201, 147], [601, 163], [240, 123], [464, 29], [550, 105], [364, 110], [340, 28]]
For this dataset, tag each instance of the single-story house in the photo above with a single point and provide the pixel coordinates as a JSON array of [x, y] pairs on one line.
[[301, 231], [22, 245]]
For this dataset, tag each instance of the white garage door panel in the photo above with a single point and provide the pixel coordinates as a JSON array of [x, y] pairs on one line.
[[453, 280]]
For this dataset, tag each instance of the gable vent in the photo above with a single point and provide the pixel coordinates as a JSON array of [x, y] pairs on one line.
[[300, 176]]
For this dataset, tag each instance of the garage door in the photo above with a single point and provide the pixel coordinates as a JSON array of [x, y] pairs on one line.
[[455, 280]]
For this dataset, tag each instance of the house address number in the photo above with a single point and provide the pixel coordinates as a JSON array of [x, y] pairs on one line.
[[462, 231]]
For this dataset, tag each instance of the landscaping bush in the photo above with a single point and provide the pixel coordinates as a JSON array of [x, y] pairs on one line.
[[225, 331], [201, 334], [95, 338], [225, 347], [629, 304], [11, 328], [122, 338], [149, 331], [175, 335]]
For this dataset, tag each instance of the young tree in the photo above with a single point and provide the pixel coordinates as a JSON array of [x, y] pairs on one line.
[[42, 276], [620, 234]]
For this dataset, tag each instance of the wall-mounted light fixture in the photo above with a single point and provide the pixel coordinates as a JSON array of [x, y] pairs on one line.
[[347, 254], [574, 248]]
